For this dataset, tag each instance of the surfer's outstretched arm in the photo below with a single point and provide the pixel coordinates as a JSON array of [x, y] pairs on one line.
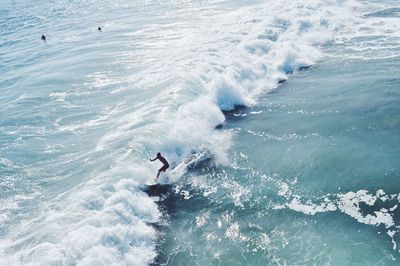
[[152, 160]]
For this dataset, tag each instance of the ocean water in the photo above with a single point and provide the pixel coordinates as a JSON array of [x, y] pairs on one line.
[[280, 120]]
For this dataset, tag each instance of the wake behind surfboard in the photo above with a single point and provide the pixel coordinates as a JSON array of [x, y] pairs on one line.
[[158, 192]]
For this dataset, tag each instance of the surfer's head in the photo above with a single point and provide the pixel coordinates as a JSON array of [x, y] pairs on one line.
[[158, 153]]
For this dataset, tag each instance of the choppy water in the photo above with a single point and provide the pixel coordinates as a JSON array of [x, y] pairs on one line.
[[305, 172]]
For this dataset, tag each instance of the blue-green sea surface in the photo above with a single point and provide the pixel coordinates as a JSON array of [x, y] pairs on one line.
[[280, 120]]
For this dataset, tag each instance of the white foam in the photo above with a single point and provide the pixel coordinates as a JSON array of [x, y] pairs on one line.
[[96, 224], [349, 204]]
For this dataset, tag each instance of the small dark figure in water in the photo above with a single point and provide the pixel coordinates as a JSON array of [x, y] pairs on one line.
[[163, 160], [99, 28], [43, 37]]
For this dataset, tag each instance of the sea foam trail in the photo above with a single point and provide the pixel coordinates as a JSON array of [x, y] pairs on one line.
[[255, 55], [360, 205], [216, 58]]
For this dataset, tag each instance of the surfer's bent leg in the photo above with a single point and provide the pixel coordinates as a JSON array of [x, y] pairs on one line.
[[162, 169]]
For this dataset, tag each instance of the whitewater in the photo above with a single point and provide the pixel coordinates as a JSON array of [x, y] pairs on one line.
[[280, 120]]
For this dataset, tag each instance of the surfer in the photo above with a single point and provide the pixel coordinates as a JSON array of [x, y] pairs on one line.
[[163, 160], [43, 37], [99, 28]]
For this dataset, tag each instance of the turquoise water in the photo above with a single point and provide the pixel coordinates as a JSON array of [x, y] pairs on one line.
[[318, 141], [280, 121]]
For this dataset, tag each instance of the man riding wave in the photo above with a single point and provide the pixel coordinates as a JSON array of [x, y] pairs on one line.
[[163, 160]]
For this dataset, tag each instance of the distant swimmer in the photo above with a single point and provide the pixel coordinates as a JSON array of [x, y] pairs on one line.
[[163, 160], [43, 37], [99, 28]]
